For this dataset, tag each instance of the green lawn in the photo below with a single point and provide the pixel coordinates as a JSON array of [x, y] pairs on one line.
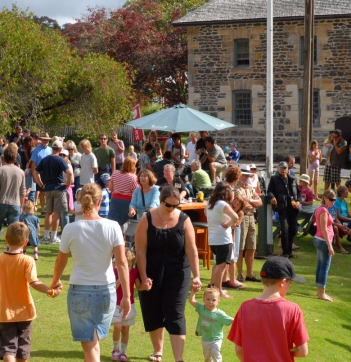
[[328, 324]]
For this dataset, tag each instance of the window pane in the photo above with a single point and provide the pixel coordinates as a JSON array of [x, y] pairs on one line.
[[242, 56], [242, 108]]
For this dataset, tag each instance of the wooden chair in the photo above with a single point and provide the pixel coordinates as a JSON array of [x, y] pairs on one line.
[[201, 240]]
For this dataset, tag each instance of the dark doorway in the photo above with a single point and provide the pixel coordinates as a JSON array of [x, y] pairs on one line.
[[344, 124]]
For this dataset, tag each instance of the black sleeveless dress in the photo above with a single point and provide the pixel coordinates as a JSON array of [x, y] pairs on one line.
[[168, 266]]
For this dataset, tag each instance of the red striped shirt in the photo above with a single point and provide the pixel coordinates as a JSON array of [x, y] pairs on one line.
[[124, 183]]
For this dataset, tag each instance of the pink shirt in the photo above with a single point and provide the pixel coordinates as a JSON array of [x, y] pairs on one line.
[[319, 211], [315, 164]]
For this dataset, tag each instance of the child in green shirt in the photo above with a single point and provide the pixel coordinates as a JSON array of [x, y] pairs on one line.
[[210, 323]]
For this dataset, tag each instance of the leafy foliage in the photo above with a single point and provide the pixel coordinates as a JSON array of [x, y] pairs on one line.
[[45, 83], [141, 36]]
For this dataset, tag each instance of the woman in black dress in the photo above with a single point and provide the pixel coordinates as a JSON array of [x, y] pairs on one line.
[[166, 252]]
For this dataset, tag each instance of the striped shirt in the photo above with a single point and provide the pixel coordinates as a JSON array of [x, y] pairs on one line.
[[105, 204], [124, 183]]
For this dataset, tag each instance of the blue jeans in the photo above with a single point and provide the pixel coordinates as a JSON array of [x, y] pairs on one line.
[[11, 212], [236, 249], [323, 262], [91, 307]]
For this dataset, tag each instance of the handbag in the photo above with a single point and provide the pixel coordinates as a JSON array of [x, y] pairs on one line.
[[128, 230], [311, 227]]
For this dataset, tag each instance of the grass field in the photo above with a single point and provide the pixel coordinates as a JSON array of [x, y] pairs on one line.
[[328, 324]]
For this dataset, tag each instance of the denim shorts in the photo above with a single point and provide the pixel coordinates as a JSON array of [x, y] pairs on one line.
[[90, 307]]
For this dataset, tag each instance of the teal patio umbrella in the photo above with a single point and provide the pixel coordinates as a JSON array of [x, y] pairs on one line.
[[180, 118]]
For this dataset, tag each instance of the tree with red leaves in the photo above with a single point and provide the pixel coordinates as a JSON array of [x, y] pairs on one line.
[[140, 36]]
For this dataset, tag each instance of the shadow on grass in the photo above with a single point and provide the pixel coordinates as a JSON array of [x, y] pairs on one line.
[[342, 345]]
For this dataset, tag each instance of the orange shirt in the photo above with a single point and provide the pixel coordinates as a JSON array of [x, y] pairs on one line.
[[17, 271]]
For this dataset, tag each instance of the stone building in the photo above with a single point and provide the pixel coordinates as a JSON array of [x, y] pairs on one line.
[[227, 69]]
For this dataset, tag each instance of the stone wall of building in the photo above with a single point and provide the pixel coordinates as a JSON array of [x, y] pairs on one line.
[[213, 78]]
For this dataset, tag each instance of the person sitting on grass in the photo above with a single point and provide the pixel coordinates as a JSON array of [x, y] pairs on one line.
[[18, 272], [269, 327], [210, 323], [121, 326]]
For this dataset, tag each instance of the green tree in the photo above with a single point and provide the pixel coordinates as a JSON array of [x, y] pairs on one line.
[[44, 82]]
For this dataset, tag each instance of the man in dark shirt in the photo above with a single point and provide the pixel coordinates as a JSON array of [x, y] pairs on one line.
[[54, 186], [170, 180], [200, 144], [158, 167]]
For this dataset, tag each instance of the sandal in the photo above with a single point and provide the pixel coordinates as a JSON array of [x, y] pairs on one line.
[[343, 251], [155, 357]]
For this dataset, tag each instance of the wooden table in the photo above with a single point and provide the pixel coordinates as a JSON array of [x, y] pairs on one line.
[[196, 207], [196, 212]]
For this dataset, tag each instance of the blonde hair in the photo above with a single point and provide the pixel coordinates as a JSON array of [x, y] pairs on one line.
[[85, 143], [28, 207], [212, 290], [130, 255], [91, 194], [17, 234], [328, 194], [72, 144]]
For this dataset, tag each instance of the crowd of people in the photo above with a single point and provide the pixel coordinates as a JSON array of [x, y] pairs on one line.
[[105, 187]]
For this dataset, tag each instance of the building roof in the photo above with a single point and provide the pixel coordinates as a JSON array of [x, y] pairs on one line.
[[231, 11]]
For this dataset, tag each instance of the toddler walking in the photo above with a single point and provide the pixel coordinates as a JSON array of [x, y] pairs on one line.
[[78, 211], [121, 327], [33, 223], [210, 323]]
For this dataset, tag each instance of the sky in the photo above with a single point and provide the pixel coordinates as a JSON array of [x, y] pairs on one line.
[[63, 11]]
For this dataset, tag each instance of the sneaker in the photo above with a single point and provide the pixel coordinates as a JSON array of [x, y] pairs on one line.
[[122, 357], [56, 240], [36, 256], [45, 240], [115, 355]]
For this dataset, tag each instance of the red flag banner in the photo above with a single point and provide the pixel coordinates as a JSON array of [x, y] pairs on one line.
[[136, 112], [138, 134]]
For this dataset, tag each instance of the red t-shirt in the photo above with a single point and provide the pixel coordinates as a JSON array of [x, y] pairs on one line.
[[133, 275], [308, 192], [267, 330]]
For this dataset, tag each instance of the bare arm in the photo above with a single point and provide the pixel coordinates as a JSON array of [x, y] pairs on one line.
[[323, 219], [191, 253], [70, 177], [301, 351], [232, 214], [113, 165], [123, 274], [60, 265], [42, 288], [192, 298], [182, 194]]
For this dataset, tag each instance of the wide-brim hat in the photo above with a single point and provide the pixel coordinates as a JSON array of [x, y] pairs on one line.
[[44, 136], [252, 166], [245, 170], [305, 178]]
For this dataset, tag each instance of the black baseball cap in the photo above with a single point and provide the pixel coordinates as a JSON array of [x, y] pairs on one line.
[[348, 183], [278, 267]]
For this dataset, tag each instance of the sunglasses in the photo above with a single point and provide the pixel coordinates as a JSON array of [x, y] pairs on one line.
[[331, 199], [70, 149], [170, 205], [104, 138]]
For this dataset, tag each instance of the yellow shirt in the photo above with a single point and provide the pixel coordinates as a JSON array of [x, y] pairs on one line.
[[17, 271]]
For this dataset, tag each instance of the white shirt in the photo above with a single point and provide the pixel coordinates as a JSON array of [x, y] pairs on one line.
[[217, 234], [91, 244], [253, 181], [178, 152], [191, 147], [87, 163]]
